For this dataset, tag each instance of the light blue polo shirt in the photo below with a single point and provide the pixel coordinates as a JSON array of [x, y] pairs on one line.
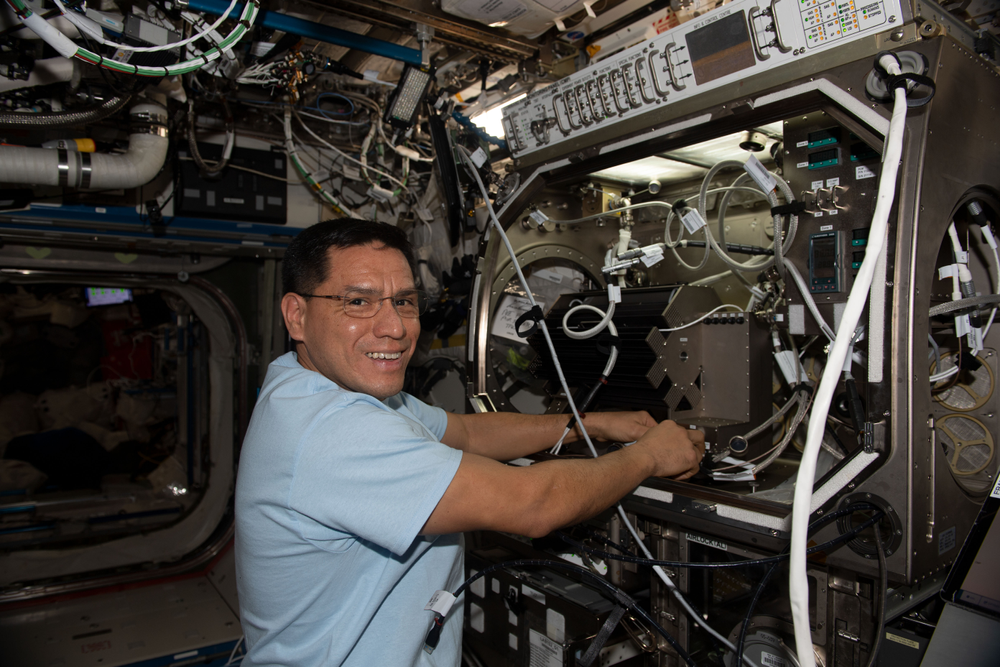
[[332, 491]]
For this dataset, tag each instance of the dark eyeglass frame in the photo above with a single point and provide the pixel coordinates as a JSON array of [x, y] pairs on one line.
[[422, 302]]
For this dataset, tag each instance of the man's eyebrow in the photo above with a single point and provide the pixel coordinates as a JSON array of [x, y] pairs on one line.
[[372, 291], [363, 290]]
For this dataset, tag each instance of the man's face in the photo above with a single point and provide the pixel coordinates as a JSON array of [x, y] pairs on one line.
[[363, 355]]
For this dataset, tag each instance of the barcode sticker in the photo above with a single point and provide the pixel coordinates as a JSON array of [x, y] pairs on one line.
[[772, 660], [692, 220], [759, 173], [479, 157], [652, 258]]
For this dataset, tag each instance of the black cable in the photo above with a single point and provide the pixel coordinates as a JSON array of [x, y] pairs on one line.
[[608, 541], [753, 604], [883, 583], [771, 570], [775, 561]]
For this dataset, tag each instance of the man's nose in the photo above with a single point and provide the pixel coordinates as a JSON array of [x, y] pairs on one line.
[[387, 322]]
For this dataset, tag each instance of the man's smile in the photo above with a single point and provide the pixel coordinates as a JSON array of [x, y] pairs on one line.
[[383, 355]]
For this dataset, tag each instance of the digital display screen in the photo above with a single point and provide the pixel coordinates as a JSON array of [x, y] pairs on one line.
[[827, 156], [824, 256], [720, 48], [107, 296]]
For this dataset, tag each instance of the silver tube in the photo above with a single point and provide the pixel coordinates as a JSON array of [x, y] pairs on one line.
[[65, 118]]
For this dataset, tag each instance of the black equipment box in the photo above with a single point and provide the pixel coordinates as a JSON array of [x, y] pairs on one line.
[[237, 194]]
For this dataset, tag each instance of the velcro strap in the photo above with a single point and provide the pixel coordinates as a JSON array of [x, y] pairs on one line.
[[606, 341], [534, 315], [595, 647], [900, 81], [794, 208]]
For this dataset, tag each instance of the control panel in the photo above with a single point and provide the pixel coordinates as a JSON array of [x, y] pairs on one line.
[[720, 48]]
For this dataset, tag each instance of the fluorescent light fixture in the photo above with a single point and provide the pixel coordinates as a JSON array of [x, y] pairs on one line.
[[405, 101], [640, 172]]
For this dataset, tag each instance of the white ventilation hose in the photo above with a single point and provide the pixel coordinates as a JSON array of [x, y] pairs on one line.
[[147, 151]]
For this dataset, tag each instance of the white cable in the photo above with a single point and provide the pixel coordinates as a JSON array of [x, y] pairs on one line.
[[68, 49], [464, 154], [810, 302], [593, 331], [345, 155], [798, 581], [672, 587], [94, 31], [756, 264], [589, 333], [944, 375], [670, 243], [993, 313], [332, 121], [318, 189]]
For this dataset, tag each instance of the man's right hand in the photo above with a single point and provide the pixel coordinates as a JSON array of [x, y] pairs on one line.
[[676, 451]]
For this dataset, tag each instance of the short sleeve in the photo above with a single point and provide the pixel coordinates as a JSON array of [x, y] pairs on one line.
[[434, 418], [369, 471]]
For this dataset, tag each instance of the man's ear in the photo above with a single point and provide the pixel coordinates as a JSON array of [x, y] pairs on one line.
[[293, 308]]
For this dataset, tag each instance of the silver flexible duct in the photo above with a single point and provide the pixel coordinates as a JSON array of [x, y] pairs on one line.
[[147, 151], [65, 118]]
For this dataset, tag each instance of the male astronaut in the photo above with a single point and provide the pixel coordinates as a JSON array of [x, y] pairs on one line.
[[352, 496]]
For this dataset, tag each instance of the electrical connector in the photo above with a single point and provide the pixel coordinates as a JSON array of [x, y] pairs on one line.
[[434, 635]]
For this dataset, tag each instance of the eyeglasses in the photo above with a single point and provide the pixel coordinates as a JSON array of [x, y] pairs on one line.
[[363, 305]]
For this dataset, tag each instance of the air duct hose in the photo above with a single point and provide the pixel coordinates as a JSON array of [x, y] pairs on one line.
[[65, 118], [147, 151]]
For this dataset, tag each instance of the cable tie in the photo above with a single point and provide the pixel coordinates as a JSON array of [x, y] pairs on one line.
[[535, 315], [804, 388], [793, 208]]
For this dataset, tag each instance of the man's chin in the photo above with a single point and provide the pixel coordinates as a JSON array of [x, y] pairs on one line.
[[384, 391]]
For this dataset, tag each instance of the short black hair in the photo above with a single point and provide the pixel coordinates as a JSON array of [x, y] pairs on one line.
[[304, 267]]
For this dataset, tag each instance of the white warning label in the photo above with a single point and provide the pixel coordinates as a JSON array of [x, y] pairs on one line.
[[544, 651]]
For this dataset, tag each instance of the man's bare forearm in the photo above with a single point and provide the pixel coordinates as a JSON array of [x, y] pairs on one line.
[[503, 436], [486, 495]]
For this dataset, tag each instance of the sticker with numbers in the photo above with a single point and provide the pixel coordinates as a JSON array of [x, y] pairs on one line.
[[946, 541], [862, 172], [772, 660], [544, 652]]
